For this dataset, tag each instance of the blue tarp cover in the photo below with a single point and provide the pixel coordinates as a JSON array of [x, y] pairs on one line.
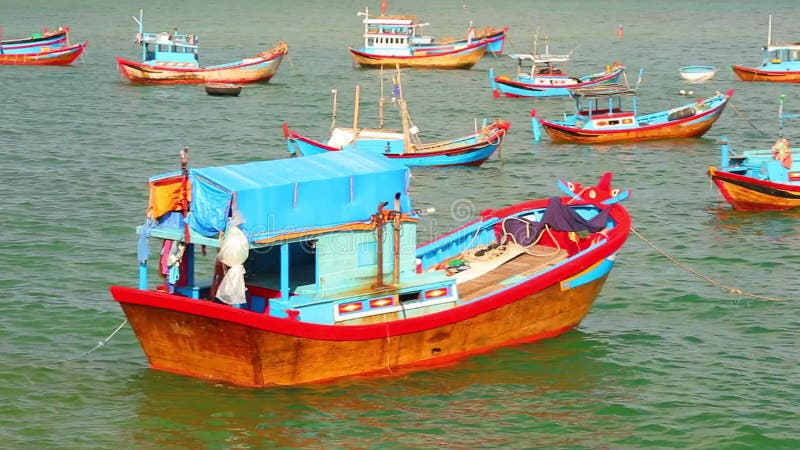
[[296, 194]]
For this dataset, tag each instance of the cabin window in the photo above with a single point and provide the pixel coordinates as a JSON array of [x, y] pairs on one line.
[[263, 265], [409, 297]]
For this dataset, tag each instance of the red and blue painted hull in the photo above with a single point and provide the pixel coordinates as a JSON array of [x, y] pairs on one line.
[[60, 56], [747, 193], [472, 150], [520, 88]]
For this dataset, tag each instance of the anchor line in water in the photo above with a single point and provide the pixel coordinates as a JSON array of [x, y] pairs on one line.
[[744, 116], [99, 344], [705, 277]]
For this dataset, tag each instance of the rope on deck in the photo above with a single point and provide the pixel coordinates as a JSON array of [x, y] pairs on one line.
[[729, 289], [99, 344]]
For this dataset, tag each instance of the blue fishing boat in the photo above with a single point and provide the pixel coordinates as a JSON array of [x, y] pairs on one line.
[[391, 40], [545, 75], [760, 180], [405, 144], [780, 62], [318, 274], [600, 117]]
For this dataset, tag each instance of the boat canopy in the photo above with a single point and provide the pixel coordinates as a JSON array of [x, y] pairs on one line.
[[603, 91], [291, 196], [539, 59]]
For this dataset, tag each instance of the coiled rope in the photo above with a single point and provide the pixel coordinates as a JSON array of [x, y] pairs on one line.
[[99, 344], [700, 275]]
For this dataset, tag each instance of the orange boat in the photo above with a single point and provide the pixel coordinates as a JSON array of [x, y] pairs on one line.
[[600, 118], [780, 63], [173, 58], [458, 58], [336, 285], [57, 56]]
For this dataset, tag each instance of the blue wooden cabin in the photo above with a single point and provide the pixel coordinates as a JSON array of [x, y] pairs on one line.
[[168, 48]]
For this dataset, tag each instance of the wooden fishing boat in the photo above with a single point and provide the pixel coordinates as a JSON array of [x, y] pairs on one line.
[[494, 37], [391, 40], [172, 58], [780, 62], [697, 73], [58, 56], [545, 75], [37, 42], [316, 280], [759, 180], [223, 89], [600, 118], [404, 145]]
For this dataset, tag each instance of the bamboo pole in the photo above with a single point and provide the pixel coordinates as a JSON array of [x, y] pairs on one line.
[[403, 114]]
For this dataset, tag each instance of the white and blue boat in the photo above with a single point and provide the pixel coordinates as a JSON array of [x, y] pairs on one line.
[[404, 144], [545, 75]]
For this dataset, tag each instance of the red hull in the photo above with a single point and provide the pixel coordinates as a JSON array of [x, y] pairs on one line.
[[58, 57]]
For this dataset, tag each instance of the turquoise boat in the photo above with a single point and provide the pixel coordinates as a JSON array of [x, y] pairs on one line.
[[405, 144], [546, 75]]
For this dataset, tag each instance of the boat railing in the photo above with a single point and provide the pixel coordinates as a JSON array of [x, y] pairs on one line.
[[177, 39]]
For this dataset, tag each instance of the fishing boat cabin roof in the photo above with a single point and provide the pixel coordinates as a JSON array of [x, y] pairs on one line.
[[603, 91], [539, 58], [282, 199]]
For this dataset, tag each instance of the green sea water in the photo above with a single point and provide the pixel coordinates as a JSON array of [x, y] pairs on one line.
[[666, 358]]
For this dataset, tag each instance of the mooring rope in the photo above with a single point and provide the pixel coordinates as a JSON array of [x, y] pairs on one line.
[[99, 344], [705, 277], [735, 109]]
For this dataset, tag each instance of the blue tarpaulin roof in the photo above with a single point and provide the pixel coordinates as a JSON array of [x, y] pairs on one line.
[[297, 194]]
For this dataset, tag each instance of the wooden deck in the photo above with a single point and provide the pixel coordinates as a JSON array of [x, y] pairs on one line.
[[523, 265]]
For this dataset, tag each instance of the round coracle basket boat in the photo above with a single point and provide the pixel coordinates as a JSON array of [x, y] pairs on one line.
[[697, 73]]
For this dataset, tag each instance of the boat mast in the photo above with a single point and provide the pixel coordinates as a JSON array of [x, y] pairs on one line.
[[381, 102], [403, 113], [140, 36], [405, 118], [366, 25], [535, 46], [769, 32]]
